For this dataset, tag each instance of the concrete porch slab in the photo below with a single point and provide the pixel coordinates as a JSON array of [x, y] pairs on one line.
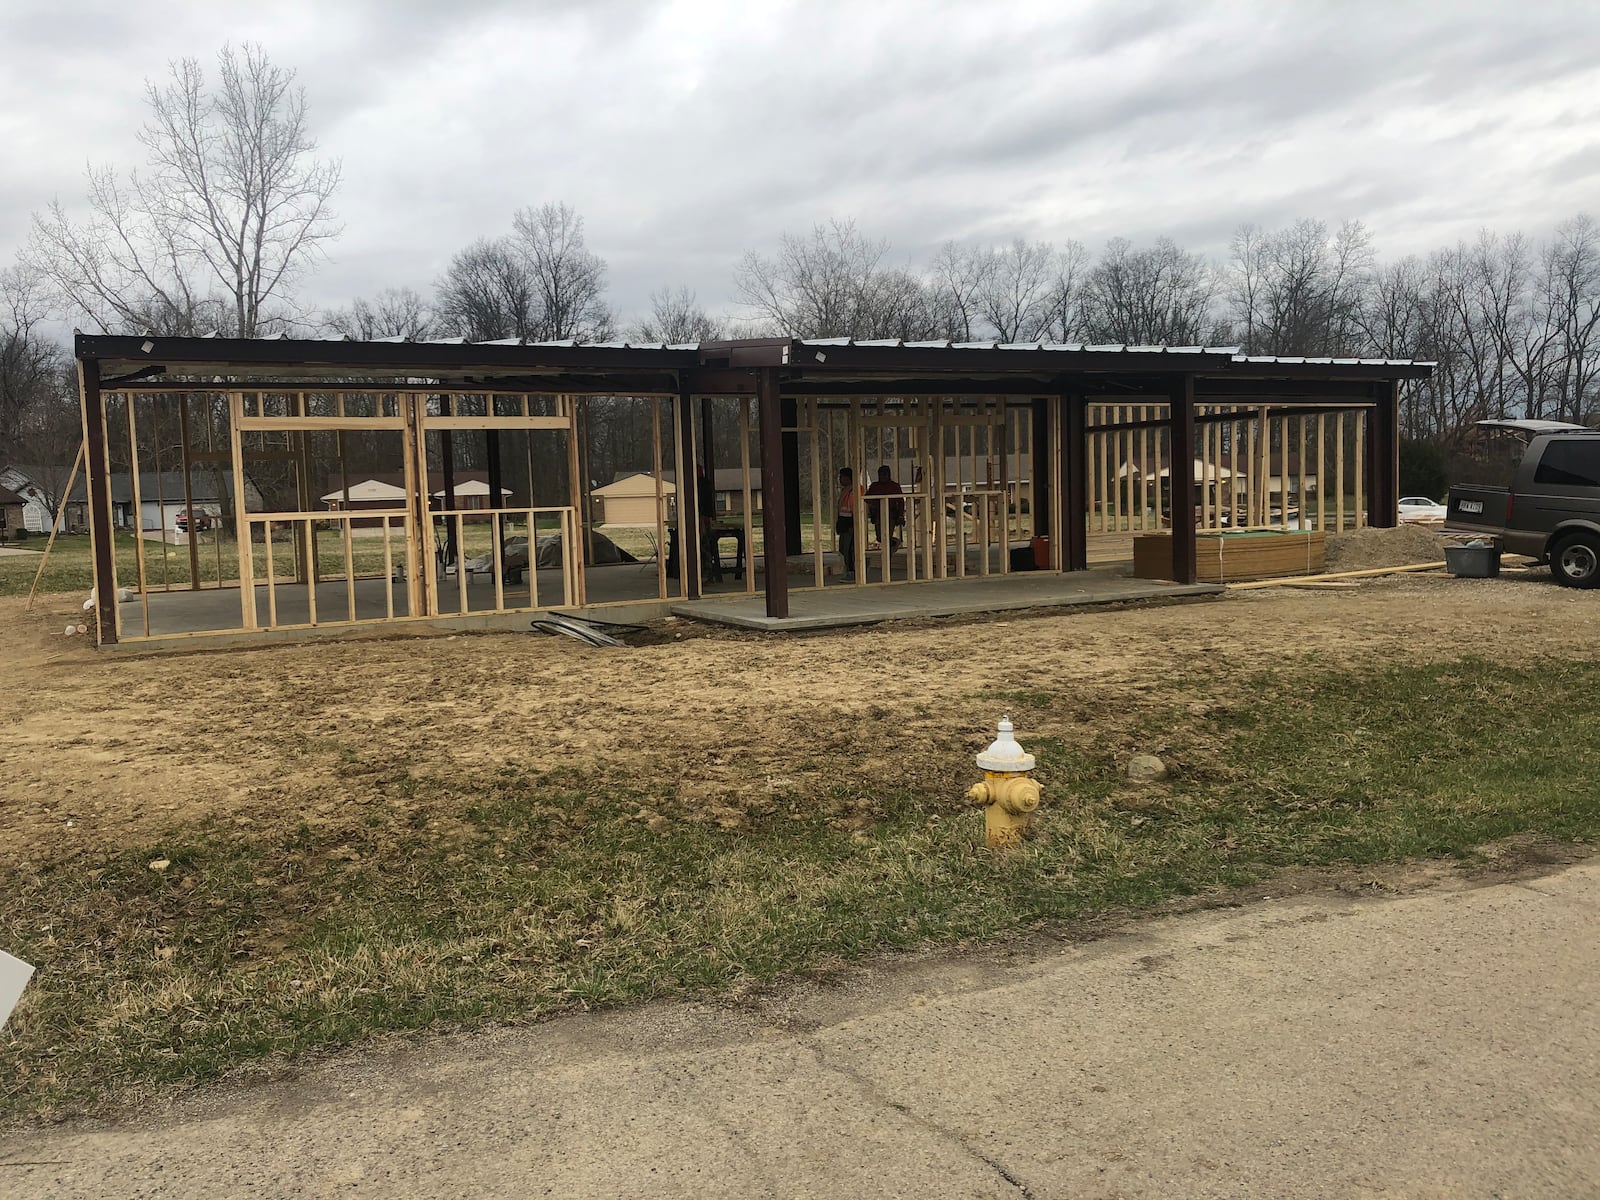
[[843, 605]]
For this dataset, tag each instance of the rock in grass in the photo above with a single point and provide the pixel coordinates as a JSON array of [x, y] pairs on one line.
[[1146, 768]]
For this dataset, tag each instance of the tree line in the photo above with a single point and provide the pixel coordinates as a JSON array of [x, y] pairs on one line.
[[233, 211]]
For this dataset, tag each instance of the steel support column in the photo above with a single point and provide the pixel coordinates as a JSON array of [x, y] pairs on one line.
[[791, 476], [774, 489], [1383, 458], [1038, 468], [1180, 479], [689, 515], [1073, 443], [97, 478]]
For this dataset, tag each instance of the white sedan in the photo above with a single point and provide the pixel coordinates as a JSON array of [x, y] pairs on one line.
[[1421, 509]]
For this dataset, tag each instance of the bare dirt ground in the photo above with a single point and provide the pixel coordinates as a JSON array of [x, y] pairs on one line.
[[107, 748]]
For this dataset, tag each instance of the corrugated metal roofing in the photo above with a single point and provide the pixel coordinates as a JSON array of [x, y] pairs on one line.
[[1230, 352]]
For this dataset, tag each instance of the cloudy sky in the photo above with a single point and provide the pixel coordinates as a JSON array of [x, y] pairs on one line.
[[687, 133]]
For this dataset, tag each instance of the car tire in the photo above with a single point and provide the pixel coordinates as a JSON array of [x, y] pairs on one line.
[[1575, 560]]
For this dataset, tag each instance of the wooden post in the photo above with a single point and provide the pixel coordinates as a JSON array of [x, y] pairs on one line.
[[774, 494], [689, 514], [660, 498], [1181, 481], [1364, 446], [138, 511], [1300, 480], [241, 520], [1338, 472]]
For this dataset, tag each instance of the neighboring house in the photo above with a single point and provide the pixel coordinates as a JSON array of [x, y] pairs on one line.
[[1278, 468], [364, 496], [36, 486], [728, 485], [470, 494], [11, 513], [387, 490], [631, 500], [161, 498]]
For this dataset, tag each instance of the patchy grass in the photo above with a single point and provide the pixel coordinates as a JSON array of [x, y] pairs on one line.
[[428, 903]]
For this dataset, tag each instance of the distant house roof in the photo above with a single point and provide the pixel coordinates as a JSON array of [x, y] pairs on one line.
[[636, 483], [473, 487], [367, 491], [9, 498], [723, 479]]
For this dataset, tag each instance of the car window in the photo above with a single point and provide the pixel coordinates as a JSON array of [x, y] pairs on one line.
[[1571, 463]]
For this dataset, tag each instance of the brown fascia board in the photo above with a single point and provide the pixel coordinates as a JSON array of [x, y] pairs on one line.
[[121, 354]]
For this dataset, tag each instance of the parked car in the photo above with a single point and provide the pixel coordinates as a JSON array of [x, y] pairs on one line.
[[202, 521], [1421, 509], [1551, 510]]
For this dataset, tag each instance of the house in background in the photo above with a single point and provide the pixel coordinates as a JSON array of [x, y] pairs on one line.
[[37, 486], [630, 499], [470, 494], [368, 494], [11, 514], [727, 483], [161, 500], [386, 490]]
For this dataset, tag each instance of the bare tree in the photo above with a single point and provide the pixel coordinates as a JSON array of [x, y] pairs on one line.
[[488, 292], [30, 364], [956, 283], [1159, 295], [1014, 296], [1298, 290], [676, 318], [234, 205], [1571, 307], [817, 286], [569, 278], [1065, 319], [392, 313], [540, 283]]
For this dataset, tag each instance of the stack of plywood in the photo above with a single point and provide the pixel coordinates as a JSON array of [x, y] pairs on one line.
[[1230, 557]]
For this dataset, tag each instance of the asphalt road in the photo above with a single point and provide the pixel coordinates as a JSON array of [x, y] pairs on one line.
[[1442, 1043]]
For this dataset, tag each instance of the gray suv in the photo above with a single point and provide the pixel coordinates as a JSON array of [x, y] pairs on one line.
[[1551, 510]]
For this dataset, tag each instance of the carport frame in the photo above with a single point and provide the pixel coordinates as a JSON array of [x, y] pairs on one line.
[[1060, 381]]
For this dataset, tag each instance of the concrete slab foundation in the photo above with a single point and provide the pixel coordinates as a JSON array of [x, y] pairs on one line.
[[834, 607]]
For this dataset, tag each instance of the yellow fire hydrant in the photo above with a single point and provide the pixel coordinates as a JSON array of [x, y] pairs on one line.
[[1006, 793]]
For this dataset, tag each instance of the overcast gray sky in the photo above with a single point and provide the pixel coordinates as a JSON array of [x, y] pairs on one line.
[[687, 133]]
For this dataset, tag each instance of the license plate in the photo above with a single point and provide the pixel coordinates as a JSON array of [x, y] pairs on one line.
[[1471, 506]]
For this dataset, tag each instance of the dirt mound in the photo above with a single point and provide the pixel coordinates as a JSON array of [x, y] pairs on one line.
[[1366, 549]]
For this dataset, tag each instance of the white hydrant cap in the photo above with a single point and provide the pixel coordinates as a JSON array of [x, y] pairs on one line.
[[1004, 753]]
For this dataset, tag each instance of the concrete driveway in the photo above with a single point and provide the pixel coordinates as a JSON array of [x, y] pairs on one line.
[[1440, 1043]]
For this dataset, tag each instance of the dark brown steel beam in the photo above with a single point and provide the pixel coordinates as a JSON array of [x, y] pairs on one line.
[[689, 516], [1042, 500], [1181, 481], [791, 476], [773, 508], [1074, 503], [1383, 459], [97, 477], [407, 357]]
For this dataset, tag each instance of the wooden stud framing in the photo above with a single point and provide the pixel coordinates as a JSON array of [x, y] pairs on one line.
[[1338, 472], [138, 514], [241, 525], [1363, 501]]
